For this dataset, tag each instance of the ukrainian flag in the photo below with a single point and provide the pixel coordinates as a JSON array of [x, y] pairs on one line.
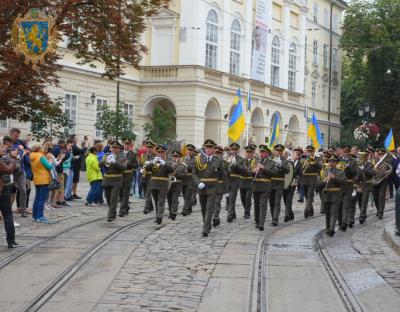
[[237, 122], [389, 141], [314, 133], [275, 132]]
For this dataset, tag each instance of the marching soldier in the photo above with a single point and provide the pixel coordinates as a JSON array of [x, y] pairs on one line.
[[331, 193], [325, 167], [114, 165], [311, 171], [234, 179], [159, 184], [379, 191], [278, 181], [349, 166], [127, 176], [263, 172], [223, 188], [359, 181], [180, 172], [246, 168], [146, 177], [289, 193], [187, 183], [207, 171], [369, 172]]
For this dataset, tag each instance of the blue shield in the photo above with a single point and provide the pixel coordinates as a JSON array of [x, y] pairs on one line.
[[34, 36]]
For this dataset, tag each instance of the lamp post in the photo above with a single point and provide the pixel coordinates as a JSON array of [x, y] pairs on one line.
[[366, 111]]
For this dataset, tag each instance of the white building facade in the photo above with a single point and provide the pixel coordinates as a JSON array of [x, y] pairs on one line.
[[200, 53]]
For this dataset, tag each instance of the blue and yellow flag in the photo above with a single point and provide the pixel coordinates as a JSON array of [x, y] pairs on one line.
[[314, 133], [237, 122], [275, 132], [389, 141]]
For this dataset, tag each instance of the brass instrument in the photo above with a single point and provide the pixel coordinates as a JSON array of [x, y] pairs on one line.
[[328, 177], [256, 166], [383, 168], [109, 160], [307, 164]]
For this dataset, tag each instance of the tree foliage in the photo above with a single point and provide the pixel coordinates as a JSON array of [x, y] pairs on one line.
[[106, 31], [371, 40], [162, 128], [115, 124]]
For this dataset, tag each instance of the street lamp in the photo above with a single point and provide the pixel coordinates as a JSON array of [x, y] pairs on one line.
[[93, 98], [367, 111]]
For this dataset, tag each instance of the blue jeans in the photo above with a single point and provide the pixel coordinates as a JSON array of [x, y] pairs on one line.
[[42, 193], [301, 192], [68, 185], [99, 196], [139, 182], [95, 189], [134, 182]]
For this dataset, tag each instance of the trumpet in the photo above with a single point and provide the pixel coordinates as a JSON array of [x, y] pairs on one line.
[[256, 170], [231, 160], [328, 178], [172, 179], [110, 159]]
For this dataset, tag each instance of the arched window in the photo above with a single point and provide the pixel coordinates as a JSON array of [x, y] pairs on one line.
[[235, 48], [275, 61], [292, 67], [212, 39]]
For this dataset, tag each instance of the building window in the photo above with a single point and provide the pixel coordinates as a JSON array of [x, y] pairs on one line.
[[235, 48], [335, 23], [212, 39], [335, 59], [128, 110], [325, 55], [313, 93], [324, 92], [315, 52], [292, 67], [71, 104], [100, 104], [333, 102], [277, 12], [3, 124], [275, 62], [315, 13], [326, 18]]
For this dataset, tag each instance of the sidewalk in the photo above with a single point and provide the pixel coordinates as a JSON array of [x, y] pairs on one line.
[[390, 237]]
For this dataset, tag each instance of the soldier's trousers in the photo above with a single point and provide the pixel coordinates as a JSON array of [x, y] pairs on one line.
[[207, 203], [125, 190], [288, 200], [275, 203], [309, 194], [218, 205], [159, 198], [173, 201], [379, 193], [187, 192], [260, 207], [345, 209], [355, 200], [232, 199], [322, 208], [148, 204], [364, 204], [331, 214], [245, 197], [112, 194]]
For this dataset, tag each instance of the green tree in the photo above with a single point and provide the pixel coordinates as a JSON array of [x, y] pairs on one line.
[[162, 128], [115, 124], [52, 124], [371, 41]]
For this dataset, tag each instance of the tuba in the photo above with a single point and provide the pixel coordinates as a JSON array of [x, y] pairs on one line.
[[383, 168]]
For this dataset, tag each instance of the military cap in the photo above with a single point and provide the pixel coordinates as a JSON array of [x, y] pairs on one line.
[[263, 148], [161, 148], [127, 140], [328, 152], [150, 143], [298, 149], [234, 145], [209, 142], [190, 147], [279, 147], [219, 148], [370, 150], [176, 153], [310, 148], [381, 150], [226, 148], [333, 158], [346, 148], [116, 144], [253, 146], [332, 148], [250, 148]]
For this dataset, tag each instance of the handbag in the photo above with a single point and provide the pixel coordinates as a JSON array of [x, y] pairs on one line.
[[54, 183]]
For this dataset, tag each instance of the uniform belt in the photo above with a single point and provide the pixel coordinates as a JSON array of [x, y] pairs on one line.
[[220, 182], [333, 189], [310, 173], [263, 180], [209, 180], [178, 180], [113, 175], [349, 180], [278, 179], [128, 171], [234, 175], [160, 178], [190, 174], [247, 178]]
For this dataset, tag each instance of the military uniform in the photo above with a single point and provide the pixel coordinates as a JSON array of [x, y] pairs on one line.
[[207, 171], [379, 192], [180, 173], [188, 186], [309, 180], [127, 177], [331, 196], [288, 194], [247, 166], [146, 178], [223, 188], [359, 181], [369, 173], [262, 187], [277, 184], [234, 175], [159, 183], [114, 166]]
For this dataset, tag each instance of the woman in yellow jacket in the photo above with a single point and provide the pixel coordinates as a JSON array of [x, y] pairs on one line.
[[41, 167], [94, 177]]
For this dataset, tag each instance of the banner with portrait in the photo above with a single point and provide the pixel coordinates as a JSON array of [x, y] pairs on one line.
[[259, 42]]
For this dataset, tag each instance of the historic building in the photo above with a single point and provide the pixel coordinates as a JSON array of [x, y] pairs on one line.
[[202, 51]]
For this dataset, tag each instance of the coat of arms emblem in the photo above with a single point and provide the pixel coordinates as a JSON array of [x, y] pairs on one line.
[[34, 36]]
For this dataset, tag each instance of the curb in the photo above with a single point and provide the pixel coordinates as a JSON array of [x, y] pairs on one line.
[[391, 239]]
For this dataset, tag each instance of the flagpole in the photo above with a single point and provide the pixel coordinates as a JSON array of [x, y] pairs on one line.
[[247, 126]]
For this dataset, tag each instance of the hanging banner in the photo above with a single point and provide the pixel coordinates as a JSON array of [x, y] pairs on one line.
[[259, 46]]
